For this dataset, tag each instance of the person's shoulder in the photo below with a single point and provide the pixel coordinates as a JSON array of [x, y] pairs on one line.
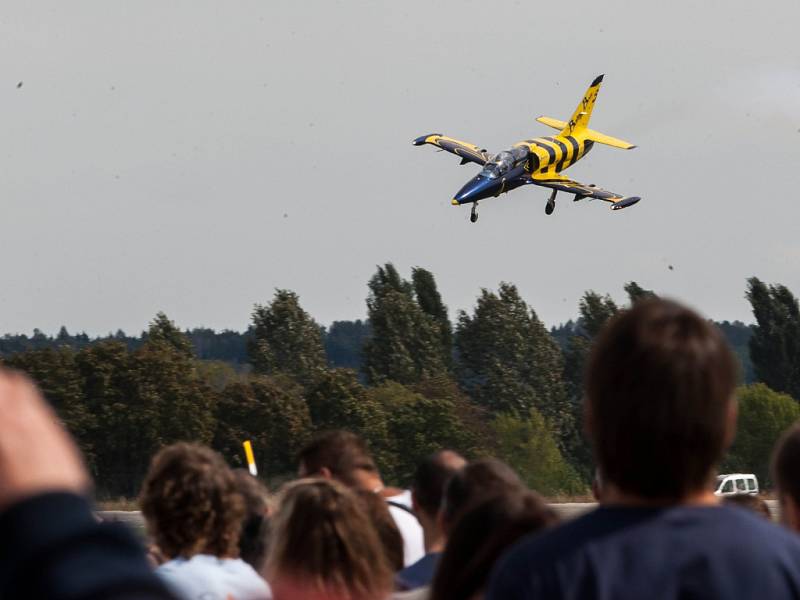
[[419, 573], [760, 531], [403, 517], [526, 562]]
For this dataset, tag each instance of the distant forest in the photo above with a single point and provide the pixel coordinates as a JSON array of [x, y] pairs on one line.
[[343, 342], [411, 378]]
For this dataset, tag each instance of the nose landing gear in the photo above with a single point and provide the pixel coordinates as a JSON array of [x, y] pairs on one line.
[[551, 203], [473, 215]]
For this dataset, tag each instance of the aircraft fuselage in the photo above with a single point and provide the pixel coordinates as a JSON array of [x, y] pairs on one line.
[[541, 156]]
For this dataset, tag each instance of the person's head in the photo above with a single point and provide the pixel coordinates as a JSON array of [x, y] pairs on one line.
[[481, 535], [430, 478], [476, 481], [660, 407], [339, 455], [323, 540], [391, 539], [191, 503], [255, 527], [786, 475], [750, 502]]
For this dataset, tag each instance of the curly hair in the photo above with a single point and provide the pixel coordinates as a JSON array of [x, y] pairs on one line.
[[323, 539], [191, 503]]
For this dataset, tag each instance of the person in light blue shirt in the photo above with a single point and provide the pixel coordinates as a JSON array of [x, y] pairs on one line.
[[194, 512]]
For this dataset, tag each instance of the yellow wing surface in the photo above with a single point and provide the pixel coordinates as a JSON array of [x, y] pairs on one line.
[[581, 190], [466, 151]]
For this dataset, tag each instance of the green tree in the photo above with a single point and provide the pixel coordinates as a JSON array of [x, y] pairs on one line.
[[163, 331], [527, 445], [595, 311], [56, 373], [417, 426], [405, 345], [337, 400], [763, 416], [286, 339], [141, 400], [508, 361], [272, 413], [430, 301], [636, 292], [775, 343]]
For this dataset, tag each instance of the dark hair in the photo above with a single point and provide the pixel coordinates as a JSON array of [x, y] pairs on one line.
[[191, 503], [786, 464], [481, 535], [659, 389], [474, 482], [255, 527], [324, 541], [391, 539], [341, 452], [430, 478], [750, 502]]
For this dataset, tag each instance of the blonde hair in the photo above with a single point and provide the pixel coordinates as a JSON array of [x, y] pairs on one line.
[[322, 537]]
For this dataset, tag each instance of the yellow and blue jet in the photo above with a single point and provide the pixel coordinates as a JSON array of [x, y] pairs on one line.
[[539, 161]]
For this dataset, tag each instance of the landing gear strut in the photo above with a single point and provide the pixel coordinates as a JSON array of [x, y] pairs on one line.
[[551, 203], [473, 215]]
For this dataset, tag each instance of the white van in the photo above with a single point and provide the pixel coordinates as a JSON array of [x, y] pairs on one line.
[[736, 483]]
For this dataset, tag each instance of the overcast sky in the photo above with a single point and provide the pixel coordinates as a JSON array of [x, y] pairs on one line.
[[192, 156]]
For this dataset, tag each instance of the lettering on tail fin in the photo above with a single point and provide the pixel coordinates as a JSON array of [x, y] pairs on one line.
[[580, 118]]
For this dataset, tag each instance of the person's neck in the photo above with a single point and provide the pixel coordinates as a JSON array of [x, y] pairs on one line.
[[613, 496], [432, 534]]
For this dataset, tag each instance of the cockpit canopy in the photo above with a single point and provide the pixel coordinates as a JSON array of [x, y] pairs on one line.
[[502, 163]]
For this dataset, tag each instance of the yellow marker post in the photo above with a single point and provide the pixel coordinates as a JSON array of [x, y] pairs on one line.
[[251, 460]]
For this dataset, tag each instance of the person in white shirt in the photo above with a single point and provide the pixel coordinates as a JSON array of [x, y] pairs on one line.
[[344, 456], [194, 513]]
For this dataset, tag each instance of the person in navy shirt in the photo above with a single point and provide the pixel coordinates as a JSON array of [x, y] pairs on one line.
[[660, 413], [427, 488]]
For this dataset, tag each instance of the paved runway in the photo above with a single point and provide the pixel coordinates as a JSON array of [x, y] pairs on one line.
[[566, 511]]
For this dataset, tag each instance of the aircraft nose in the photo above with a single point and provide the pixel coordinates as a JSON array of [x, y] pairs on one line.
[[476, 188]]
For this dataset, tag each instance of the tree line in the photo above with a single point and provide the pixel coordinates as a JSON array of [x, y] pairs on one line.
[[494, 382]]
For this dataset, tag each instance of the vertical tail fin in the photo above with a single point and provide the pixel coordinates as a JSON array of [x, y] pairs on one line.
[[580, 118]]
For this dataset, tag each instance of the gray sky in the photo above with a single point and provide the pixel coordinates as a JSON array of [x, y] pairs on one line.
[[192, 156]]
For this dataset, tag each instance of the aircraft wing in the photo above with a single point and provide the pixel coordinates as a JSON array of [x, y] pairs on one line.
[[466, 151], [581, 190]]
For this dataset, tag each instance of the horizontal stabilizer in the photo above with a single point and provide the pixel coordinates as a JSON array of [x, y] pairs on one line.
[[602, 138], [551, 122]]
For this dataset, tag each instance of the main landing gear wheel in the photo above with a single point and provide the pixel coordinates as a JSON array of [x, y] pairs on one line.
[[551, 203], [473, 215]]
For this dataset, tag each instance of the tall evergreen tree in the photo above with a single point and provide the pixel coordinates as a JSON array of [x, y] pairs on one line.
[[775, 343], [595, 311], [508, 361], [163, 331], [285, 339], [430, 301], [636, 292], [405, 345]]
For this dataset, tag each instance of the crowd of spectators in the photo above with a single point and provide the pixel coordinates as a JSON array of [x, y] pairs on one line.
[[660, 413]]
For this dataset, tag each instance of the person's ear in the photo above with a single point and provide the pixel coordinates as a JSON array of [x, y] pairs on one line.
[[325, 473], [790, 512]]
